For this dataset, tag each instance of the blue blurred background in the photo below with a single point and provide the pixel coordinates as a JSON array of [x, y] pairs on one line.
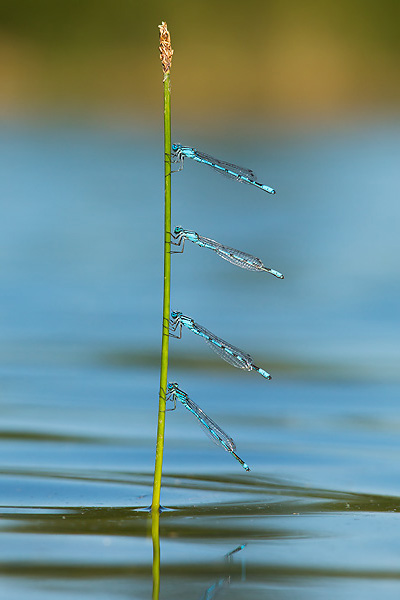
[[81, 245]]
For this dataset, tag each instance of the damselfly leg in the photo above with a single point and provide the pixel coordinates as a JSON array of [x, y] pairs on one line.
[[175, 324], [177, 240]]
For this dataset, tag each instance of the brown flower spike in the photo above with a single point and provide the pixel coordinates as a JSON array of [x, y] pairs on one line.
[[166, 51]]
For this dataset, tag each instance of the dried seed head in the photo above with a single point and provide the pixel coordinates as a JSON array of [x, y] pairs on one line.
[[166, 51]]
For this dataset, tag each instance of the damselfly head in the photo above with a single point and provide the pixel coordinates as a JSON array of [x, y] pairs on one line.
[[178, 229], [172, 386], [175, 314], [176, 147]]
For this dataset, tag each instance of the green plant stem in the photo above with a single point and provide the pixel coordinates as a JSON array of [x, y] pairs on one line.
[[155, 506]]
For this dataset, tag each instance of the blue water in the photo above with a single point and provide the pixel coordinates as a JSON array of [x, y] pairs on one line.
[[81, 286]]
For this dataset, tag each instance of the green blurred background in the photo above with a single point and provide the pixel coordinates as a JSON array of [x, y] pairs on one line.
[[285, 60]]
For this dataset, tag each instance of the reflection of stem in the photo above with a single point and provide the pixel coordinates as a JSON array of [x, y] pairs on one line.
[[155, 534]]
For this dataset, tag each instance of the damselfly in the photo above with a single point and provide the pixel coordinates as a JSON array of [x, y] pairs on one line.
[[234, 356], [236, 257], [210, 426], [179, 153], [224, 582]]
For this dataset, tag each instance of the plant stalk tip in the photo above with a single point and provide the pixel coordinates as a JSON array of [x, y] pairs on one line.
[[166, 51]]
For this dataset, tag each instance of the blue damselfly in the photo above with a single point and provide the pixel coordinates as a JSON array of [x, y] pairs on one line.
[[179, 153], [210, 426], [234, 356], [236, 257]]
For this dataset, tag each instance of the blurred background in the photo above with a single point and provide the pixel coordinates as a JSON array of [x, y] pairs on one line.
[[286, 60], [305, 93]]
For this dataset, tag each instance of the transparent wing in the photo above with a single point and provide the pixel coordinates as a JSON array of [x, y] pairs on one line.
[[233, 355], [224, 352], [237, 257], [210, 427], [229, 169], [240, 259]]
